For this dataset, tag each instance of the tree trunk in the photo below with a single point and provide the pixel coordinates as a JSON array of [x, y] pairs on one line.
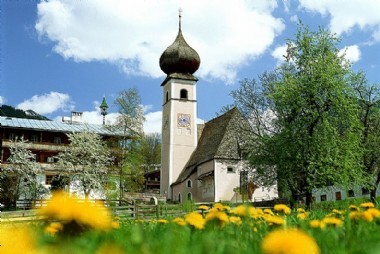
[[294, 199], [87, 194], [374, 189], [309, 199]]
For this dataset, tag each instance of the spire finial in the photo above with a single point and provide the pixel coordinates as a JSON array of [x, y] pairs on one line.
[[180, 17]]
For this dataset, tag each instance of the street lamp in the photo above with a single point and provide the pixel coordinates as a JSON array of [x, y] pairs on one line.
[[103, 110]]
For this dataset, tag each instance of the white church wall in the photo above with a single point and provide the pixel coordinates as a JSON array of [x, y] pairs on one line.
[[265, 193], [206, 186], [227, 178]]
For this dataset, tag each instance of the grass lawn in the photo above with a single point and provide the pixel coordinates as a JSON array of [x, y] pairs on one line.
[[72, 227]]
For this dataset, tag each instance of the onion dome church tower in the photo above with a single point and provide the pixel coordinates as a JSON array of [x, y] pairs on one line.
[[179, 113]]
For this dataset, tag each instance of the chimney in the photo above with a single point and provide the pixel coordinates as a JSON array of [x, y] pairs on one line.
[[76, 117]]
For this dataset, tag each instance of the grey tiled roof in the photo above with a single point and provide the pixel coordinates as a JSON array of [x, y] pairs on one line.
[[54, 126], [220, 139]]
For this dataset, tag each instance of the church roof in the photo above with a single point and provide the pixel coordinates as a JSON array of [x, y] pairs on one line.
[[220, 139], [179, 58]]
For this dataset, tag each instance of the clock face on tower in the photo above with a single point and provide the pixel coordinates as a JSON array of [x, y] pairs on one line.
[[183, 120]]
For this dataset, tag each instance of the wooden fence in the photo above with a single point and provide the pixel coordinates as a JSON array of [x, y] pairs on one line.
[[121, 209], [146, 212]]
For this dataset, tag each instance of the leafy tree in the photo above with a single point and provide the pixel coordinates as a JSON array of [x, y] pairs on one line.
[[86, 161], [139, 156], [305, 118], [131, 113], [150, 149], [368, 96], [129, 124], [20, 176]]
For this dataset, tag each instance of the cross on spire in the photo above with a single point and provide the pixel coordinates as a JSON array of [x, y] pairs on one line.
[[180, 16]]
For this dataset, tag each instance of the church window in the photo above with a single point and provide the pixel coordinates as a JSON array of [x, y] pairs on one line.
[[188, 131], [179, 198], [351, 193], [189, 196], [167, 96], [183, 94], [230, 170], [323, 197], [189, 184]]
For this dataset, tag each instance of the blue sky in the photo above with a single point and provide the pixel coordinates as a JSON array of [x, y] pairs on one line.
[[63, 55]]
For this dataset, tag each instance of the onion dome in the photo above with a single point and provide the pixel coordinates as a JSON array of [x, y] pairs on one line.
[[179, 57]]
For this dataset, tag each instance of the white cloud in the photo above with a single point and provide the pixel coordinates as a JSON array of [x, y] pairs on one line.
[[347, 14], [279, 53], [132, 34], [352, 53], [294, 18], [46, 103], [153, 122], [2, 100]]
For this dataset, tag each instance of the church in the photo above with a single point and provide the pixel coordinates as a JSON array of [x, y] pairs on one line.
[[203, 163]]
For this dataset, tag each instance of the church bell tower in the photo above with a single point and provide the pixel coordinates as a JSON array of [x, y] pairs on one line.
[[179, 111]]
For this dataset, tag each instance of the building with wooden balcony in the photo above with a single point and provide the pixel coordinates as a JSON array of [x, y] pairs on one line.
[[45, 139]]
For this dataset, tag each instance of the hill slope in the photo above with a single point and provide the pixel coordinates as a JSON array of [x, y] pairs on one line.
[[9, 111]]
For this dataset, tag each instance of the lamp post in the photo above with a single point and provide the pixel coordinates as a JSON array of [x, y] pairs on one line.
[[103, 110]]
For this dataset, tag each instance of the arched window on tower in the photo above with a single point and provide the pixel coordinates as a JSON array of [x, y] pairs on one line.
[[183, 94], [167, 97]]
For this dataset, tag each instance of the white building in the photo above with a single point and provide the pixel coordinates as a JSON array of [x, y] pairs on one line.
[[200, 163]]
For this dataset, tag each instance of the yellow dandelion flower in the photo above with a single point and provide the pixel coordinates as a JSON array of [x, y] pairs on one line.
[[281, 208], [330, 221], [115, 224], [268, 211], [301, 210], [256, 212], [353, 208], [367, 216], [63, 208], [316, 224], [53, 228], [274, 220], [338, 212], [213, 210], [355, 215], [367, 205], [162, 221], [219, 217], [179, 221], [15, 238], [196, 220], [240, 210], [302, 216], [203, 207], [374, 211], [226, 208], [219, 206], [235, 220], [289, 241]]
